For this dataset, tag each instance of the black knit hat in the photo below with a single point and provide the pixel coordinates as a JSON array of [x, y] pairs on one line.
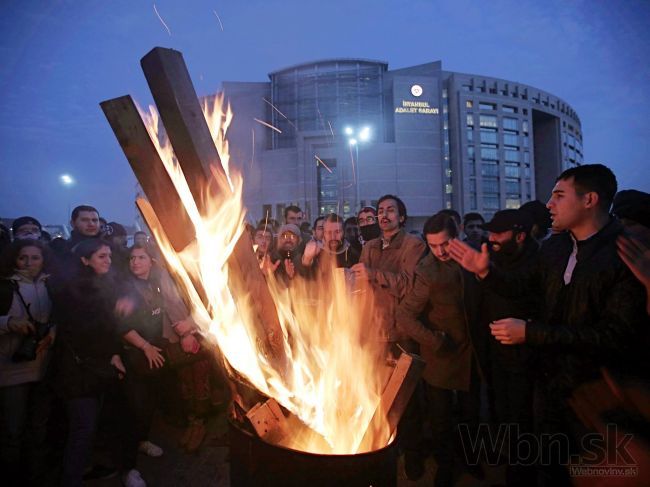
[[24, 220], [505, 220], [632, 205]]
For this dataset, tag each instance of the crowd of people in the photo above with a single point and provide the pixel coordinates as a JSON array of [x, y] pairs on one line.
[[85, 322], [518, 319]]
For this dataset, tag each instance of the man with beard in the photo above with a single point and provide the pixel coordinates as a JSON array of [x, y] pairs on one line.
[[351, 232], [368, 226], [592, 308], [319, 225], [512, 250], [287, 254], [335, 251]]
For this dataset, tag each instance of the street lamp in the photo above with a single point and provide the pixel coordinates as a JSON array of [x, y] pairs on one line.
[[66, 180], [355, 136]]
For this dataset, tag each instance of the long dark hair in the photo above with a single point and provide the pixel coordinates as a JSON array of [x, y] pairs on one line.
[[11, 252], [86, 249]]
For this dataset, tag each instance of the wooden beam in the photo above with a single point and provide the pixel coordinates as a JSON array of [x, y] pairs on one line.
[[393, 402], [190, 137], [140, 151]]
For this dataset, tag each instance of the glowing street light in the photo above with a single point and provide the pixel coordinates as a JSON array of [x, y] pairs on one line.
[[364, 134], [352, 141], [348, 130], [66, 180]]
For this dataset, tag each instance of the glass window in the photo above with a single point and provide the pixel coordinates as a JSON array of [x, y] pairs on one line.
[[470, 120], [472, 168], [510, 139], [469, 104], [511, 171], [510, 123], [513, 203], [449, 189], [488, 121], [511, 155], [487, 106], [489, 154], [488, 169], [472, 201], [524, 126], [512, 186], [527, 157], [489, 136], [525, 140], [470, 136], [491, 202], [467, 88], [444, 92], [509, 109], [490, 185], [470, 152]]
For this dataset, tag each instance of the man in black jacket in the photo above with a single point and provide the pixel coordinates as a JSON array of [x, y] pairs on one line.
[[512, 250], [592, 309]]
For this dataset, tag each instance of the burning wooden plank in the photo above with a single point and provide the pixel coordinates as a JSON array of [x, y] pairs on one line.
[[149, 169], [268, 421], [197, 155], [393, 402]]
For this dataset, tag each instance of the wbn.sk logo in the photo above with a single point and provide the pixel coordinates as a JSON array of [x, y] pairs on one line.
[[600, 454]]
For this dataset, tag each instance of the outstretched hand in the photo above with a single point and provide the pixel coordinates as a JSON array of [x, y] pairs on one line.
[[470, 259]]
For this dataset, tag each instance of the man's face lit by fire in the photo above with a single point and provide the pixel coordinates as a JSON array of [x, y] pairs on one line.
[[263, 241], [319, 229], [366, 218], [389, 217], [86, 223], [439, 245], [333, 235], [288, 241]]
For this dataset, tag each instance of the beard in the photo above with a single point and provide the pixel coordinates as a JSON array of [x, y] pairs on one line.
[[507, 252]]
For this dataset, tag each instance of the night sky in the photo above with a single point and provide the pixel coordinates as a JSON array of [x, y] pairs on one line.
[[59, 59]]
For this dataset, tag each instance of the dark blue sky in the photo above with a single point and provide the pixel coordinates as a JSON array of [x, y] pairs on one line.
[[59, 59]]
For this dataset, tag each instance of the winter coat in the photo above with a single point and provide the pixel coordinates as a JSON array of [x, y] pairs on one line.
[[391, 272], [84, 310], [598, 319], [440, 314], [36, 295]]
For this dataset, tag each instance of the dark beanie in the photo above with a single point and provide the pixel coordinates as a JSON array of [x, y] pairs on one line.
[[116, 230], [632, 205], [24, 220]]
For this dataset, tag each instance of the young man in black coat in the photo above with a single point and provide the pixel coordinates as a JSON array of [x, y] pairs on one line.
[[592, 309]]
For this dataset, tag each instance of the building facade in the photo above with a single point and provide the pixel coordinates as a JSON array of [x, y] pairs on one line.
[[335, 135]]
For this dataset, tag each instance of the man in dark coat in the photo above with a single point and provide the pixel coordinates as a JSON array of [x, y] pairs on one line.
[[592, 306], [446, 296]]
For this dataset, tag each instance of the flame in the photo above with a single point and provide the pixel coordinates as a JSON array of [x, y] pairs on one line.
[[333, 382]]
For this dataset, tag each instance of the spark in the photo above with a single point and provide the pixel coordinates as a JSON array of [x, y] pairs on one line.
[[354, 173], [218, 18], [324, 165], [253, 154], [278, 110], [268, 125], [161, 19]]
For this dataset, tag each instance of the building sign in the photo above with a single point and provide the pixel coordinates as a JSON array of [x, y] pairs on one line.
[[416, 107]]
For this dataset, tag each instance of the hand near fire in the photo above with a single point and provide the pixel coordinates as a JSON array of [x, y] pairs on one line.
[[361, 273], [289, 268], [509, 331], [470, 259], [312, 249], [267, 266]]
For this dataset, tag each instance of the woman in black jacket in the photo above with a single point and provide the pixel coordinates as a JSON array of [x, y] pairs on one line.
[[87, 350]]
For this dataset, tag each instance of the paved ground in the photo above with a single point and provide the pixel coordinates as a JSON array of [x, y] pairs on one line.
[[209, 466]]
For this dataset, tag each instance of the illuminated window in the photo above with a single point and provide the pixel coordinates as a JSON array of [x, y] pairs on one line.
[[513, 203], [469, 104], [488, 121], [470, 120]]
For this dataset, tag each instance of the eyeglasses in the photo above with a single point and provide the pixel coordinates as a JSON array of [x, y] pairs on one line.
[[289, 236], [369, 219]]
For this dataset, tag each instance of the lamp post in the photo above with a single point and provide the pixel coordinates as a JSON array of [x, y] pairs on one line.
[[356, 136]]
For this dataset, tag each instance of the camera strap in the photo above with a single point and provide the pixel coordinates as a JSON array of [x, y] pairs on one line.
[[22, 300]]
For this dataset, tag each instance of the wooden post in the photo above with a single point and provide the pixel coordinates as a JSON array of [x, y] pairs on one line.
[[197, 155], [393, 402]]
